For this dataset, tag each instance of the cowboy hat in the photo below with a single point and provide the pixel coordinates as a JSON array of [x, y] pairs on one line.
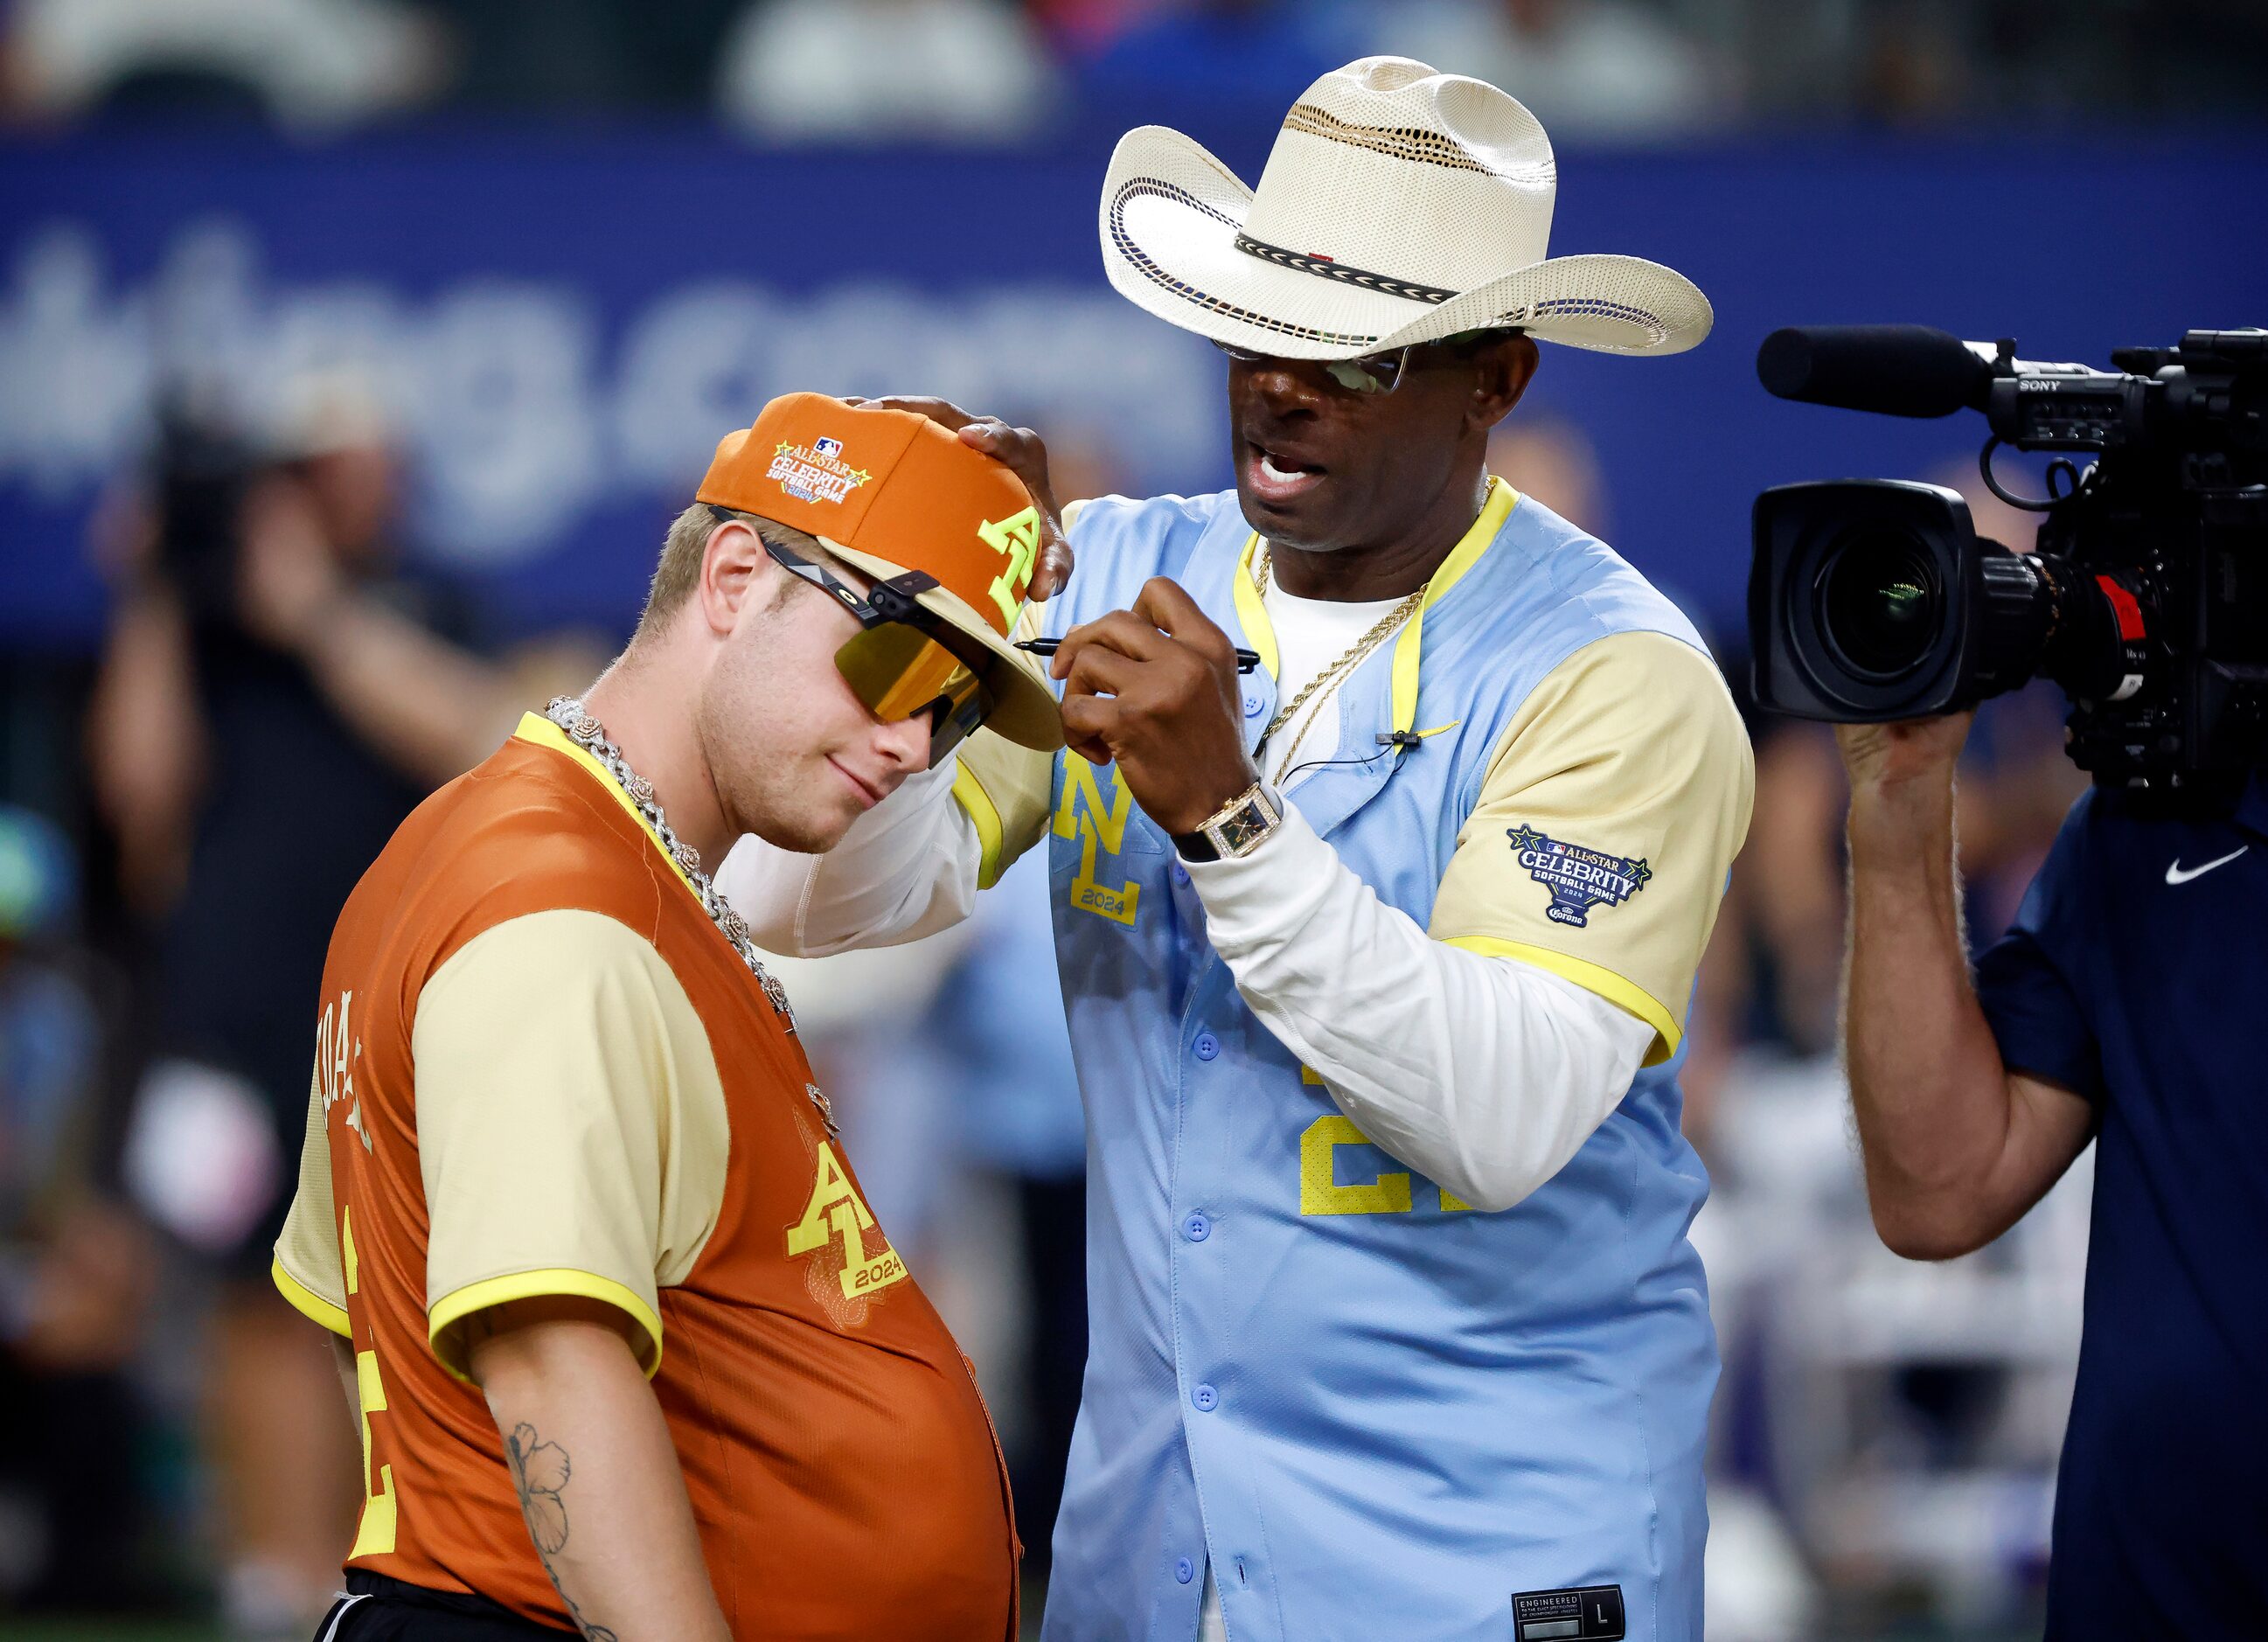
[[1398, 206]]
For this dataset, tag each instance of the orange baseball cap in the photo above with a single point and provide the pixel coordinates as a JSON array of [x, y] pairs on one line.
[[889, 491]]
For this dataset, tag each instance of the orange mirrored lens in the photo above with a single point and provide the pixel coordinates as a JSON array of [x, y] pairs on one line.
[[898, 671]]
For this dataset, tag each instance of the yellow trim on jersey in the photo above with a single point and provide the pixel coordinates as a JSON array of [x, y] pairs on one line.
[[1253, 611], [969, 793], [1592, 977], [1502, 498], [537, 728], [454, 1307], [308, 1303]]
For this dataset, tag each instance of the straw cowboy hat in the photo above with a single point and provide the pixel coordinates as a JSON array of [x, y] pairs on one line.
[[1398, 206]]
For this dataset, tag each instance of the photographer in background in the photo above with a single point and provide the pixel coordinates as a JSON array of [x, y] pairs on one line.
[[276, 697], [2119, 1008]]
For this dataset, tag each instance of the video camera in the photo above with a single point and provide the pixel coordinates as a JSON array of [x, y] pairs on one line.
[[203, 467], [1872, 600]]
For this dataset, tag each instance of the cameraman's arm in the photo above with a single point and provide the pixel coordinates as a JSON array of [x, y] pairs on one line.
[[1956, 1146], [431, 709], [145, 739]]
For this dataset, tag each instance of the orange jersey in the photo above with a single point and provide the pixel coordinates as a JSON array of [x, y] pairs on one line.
[[543, 1070]]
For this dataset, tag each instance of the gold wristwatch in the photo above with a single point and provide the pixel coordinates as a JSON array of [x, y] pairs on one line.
[[1235, 829]]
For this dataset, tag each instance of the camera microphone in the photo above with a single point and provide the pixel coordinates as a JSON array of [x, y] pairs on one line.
[[1897, 370]]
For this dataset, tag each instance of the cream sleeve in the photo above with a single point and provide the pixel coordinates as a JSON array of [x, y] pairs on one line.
[[1005, 792], [572, 1129], [307, 1268], [1607, 822]]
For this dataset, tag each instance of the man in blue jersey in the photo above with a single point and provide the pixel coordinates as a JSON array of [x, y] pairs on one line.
[[1376, 958], [2119, 1009]]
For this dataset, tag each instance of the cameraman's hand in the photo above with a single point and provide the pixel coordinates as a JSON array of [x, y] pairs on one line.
[[1883, 758], [1901, 778], [286, 574]]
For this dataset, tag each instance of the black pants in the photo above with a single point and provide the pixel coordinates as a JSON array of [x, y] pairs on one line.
[[1054, 1213], [376, 1608]]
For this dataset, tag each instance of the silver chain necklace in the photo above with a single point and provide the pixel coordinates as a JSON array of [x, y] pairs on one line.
[[589, 734]]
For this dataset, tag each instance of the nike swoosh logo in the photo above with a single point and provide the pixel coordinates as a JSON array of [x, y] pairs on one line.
[[2175, 875]]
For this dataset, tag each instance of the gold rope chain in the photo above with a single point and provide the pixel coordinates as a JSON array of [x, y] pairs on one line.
[[1330, 677]]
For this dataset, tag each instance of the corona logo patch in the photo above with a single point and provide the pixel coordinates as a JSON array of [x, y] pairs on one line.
[[815, 472], [1100, 826], [1580, 879]]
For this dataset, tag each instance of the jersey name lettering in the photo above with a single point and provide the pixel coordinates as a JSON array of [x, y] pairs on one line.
[[335, 1051]]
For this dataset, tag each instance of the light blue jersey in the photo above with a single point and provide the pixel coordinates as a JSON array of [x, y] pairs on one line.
[[1374, 1411]]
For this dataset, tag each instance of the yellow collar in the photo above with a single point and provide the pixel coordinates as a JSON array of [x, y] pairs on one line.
[[535, 728], [1502, 498]]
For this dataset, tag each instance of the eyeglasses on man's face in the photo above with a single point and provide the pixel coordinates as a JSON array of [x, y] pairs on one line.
[[1376, 372], [905, 659]]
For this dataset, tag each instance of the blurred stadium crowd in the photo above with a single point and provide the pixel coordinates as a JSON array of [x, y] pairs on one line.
[[999, 70], [282, 676]]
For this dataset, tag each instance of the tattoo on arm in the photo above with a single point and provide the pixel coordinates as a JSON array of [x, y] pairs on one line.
[[540, 1472]]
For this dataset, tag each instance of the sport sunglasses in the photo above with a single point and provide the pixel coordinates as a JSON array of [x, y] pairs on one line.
[[1372, 373], [901, 662]]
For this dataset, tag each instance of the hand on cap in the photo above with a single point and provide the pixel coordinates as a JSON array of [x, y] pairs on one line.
[[1023, 453], [1155, 688]]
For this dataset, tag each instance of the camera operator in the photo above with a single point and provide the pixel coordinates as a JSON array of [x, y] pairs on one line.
[[276, 697], [2119, 1008]]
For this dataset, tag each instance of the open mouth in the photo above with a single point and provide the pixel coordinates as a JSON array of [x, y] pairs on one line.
[[1277, 475]]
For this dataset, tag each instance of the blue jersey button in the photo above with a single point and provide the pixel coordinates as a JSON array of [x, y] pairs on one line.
[[1207, 1046], [1252, 706], [1181, 873], [1185, 1571], [1206, 1399], [1196, 1228]]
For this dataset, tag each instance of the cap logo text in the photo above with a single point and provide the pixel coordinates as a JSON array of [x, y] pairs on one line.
[[816, 471], [1580, 879]]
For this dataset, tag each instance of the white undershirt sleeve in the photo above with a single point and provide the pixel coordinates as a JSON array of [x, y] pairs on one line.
[[1484, 1073], [906, 868]]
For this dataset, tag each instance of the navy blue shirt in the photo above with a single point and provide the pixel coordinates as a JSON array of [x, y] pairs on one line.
[[2137, 975]]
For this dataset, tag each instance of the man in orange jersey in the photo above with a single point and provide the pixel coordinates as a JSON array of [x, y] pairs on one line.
[[628, 1351]]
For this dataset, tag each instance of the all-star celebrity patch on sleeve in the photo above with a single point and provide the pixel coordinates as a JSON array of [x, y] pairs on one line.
[[571, 1132], [1607, 822]]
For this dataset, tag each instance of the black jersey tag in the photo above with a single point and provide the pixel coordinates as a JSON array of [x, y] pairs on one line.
[[1592, 1613]]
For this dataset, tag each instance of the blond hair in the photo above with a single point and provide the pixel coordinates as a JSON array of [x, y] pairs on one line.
[[678, 570]]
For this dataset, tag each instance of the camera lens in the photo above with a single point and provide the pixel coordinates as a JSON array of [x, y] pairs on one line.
[[1880, 605]]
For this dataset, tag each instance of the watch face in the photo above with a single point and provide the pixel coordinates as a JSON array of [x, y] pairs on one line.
[[1244, 828]]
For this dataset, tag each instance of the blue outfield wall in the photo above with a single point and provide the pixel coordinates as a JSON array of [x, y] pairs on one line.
[[566, 320]]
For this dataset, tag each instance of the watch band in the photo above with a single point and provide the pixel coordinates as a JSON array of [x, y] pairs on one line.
[[1235, 829]]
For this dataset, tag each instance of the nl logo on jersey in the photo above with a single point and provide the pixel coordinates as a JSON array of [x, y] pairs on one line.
[[1579, 879], [816, 471]]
